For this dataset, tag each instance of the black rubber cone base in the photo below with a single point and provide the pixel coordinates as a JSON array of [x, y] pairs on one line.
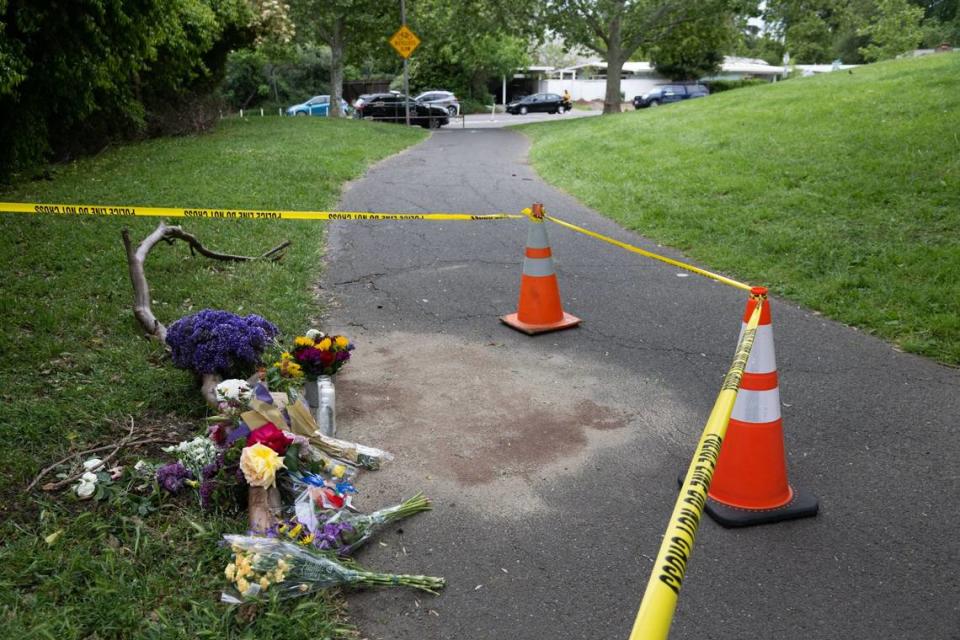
[[803, 505]]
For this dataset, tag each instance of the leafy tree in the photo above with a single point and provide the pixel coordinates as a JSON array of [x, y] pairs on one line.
[[693, 49], [894, 30], [752, 42], [76, 75], [465, 44], [615, 29], [810, 29], [347, 27]]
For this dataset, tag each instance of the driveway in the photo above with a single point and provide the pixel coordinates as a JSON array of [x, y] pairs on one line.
[[552, 460]]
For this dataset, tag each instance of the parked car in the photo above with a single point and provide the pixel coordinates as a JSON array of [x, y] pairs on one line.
[[670, 93], [538, 102], [360, 100], [389, 107], [316, 106], [444, 99]]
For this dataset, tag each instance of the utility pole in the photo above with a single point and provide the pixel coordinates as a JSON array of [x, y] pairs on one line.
[[406, 63]]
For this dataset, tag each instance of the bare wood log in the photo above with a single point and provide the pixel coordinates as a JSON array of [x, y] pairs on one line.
[[208, 387], [141, 289], [263, 508]]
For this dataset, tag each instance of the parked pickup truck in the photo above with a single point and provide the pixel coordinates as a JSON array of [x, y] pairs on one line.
[[669, 93]]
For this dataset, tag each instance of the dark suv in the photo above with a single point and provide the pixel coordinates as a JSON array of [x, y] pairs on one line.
[[389, 107], [670, 93]]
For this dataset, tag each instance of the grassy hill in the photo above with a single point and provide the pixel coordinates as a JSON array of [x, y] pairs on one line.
[[840, 191]]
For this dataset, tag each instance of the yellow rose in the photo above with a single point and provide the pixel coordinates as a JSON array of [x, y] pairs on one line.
[[259, 464], [229, 571], [342, 342], [324, 345]]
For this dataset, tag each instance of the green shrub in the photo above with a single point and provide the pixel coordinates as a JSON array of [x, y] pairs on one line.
[[717, 86]]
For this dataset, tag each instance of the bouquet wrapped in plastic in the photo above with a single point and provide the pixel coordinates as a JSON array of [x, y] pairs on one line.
[[363, 526], [272, 564], [344, 531]]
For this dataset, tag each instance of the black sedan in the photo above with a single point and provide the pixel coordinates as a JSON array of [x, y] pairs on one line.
[[389, 107], [538, 102]]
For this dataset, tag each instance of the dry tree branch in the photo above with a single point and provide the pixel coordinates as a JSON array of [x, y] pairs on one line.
[[137, 257], [126, 441]]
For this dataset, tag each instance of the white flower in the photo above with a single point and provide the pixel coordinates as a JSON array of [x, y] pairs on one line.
[[316, 334], [140, 466], [92, 464], [194, 454], [86, 489], [233, 391], [89, 477]]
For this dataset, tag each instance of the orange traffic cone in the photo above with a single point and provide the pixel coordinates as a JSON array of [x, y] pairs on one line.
[[750, 482], [539, 309]]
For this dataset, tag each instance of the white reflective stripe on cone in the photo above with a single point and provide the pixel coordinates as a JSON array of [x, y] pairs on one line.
[[537, 236], [756, 406], [762, 359], [537, 267]]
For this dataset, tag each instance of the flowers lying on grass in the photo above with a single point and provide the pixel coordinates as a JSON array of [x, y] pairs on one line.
[[172, 477]]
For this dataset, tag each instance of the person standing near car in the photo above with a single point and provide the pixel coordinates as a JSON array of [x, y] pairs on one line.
[[566, 99]]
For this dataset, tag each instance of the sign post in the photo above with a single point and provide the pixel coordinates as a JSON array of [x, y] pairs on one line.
[[404, 42]]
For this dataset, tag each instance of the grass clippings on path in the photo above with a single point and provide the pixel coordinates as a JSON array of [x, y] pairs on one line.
[[75, 369], [840, 191]]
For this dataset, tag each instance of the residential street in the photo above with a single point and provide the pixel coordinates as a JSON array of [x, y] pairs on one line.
[[552, 460]]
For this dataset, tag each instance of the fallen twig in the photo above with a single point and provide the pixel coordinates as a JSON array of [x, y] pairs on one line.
[[126, 441]]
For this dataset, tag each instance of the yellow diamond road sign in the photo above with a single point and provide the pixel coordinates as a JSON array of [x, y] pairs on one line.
[[404, 41]]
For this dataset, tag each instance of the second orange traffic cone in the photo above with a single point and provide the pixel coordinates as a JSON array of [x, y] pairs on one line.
[[750, 484], [539, 309]]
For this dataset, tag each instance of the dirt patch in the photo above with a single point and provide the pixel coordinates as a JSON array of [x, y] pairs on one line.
[[476, 422]]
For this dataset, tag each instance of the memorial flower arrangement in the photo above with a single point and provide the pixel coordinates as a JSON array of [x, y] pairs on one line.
[[284, 374], [219, 342], [318, 354], [262, 564], [264, 450]]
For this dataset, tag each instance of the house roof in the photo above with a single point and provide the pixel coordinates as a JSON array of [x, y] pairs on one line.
[[731, 64]]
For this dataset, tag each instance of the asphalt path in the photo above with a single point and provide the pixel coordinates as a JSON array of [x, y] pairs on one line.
[[553, 460]]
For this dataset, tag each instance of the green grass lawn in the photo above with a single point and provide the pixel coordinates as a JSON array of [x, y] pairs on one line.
[[76, 369], [841, 191]]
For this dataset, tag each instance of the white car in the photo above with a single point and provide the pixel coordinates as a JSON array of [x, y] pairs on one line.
[[445, 99]]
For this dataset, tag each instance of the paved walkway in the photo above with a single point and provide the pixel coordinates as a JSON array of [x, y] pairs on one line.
[[553, 460]]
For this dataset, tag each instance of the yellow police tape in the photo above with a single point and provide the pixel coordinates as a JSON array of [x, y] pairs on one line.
[[650, 254], [660, 598], [68, 210], [235, 214]]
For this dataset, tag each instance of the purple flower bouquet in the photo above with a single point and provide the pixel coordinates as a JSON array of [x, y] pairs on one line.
[[219, 342]]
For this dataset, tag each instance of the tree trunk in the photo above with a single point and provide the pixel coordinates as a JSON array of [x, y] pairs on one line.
[[615, 60], [263, 508], [336, 69]]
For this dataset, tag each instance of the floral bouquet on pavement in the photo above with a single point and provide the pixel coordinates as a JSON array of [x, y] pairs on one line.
[[272, 564], [344, 531]]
